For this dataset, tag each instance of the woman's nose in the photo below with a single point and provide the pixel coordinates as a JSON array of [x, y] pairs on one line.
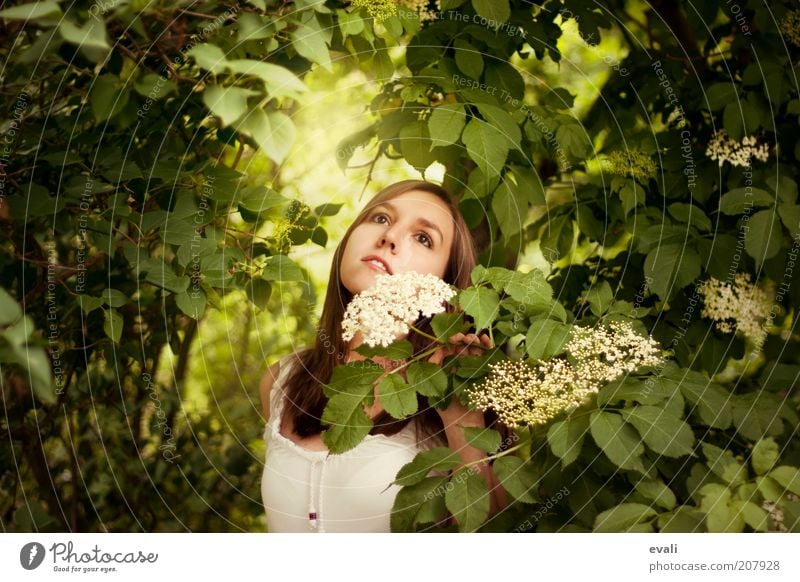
[[388, 238]]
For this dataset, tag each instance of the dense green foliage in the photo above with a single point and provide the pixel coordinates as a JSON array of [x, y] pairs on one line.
[[127, 219]]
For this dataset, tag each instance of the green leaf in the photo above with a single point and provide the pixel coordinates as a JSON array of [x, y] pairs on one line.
[[114, 298], [436, 459], [409, 500], [517, 477], [509, 209], [753, 515], [282, 268], [671, 267], [630, 389], [258, 291], [716, 504], [310, 43], [227, 103], [209, 57], [357, 378], [556, 238], [328, 209], [738, 200], [720, 94], [657, 492], [665, 434], [485, 145], [278, 81], [618, 441], [496, 12], [558, 98], [31, 11], [154, 87], [765, 455], [724, 465], [566, 438], [112, 324], [530, 288], [790, 216], [684, 519], [623, 517], [91, 35], [764, 236], [468, 500], [15, 348], [349, 423], [546, 338], [397, 398], [503, 122], [485, 439], [787, 477], [600, 298], [192, 303], [713, 403], [282, 136], [690, 214], [10, 311], [427, 379], [107, 97], [573, 138], [253, 27], [446, 325], [399, 350], [163, 276], [756, 414], [481, 304], [468, 59], [88, 303]]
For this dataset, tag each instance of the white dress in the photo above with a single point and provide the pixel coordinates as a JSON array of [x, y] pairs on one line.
[[312, 491]]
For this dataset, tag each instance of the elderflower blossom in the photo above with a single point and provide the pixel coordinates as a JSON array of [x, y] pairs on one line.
[[421, 8], [633, 163], [738, 307], [385, 310], [522, 394], [790, 27], [725, 149], [378, 9]]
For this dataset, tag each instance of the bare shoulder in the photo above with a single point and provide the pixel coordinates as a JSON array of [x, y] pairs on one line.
[[265, 387], [268, 380]]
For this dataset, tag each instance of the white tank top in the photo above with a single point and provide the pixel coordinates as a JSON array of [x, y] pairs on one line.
[[314, 491]]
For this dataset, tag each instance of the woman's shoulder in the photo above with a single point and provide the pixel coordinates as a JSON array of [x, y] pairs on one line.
[[271, 376]]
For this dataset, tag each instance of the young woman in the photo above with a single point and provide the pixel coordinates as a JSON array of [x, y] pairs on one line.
[[409, 226]]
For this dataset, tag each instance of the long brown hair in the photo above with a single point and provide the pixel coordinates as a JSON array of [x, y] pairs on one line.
[[303, 386]]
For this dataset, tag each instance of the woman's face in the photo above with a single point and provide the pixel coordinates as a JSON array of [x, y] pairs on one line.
[[411, 232]]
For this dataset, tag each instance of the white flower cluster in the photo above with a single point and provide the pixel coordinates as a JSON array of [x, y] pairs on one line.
[[522, 394], [725, 149], [776, 513], [421, 8], [739, 307], [386, 309]]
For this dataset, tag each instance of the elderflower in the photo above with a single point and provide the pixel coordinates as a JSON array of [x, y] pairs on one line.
[[633, 163], [421, 8], [385, 310], [523, 394], [738, 307], [725, 149], [378, 9], [790, 27]]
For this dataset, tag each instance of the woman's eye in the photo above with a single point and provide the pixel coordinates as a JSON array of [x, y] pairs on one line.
[[380, 218], [425, 239]]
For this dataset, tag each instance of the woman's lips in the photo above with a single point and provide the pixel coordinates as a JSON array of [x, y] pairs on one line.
[[378, 264]]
